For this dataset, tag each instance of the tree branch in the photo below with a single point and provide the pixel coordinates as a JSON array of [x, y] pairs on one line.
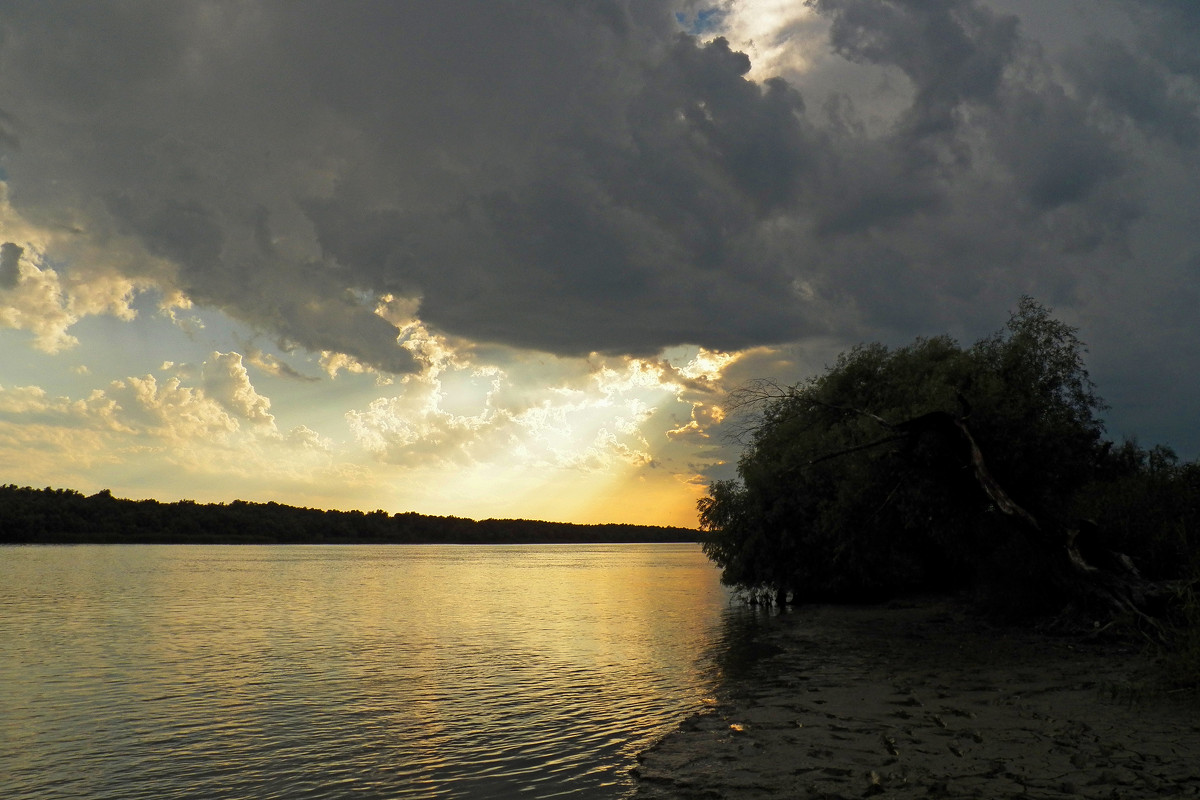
[[856, 448]]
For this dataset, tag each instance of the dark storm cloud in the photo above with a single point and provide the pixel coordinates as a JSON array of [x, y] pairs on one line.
[[568, 177], [1139, 88], [10, 270], [8, 137], [1169, 32], [623, 237], [952, 50], [585, 177]]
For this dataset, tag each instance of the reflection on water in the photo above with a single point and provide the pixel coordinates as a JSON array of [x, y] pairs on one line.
[[329, 672], [737, 646]]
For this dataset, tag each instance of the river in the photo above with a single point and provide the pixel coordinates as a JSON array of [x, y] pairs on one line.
[[319, 672]]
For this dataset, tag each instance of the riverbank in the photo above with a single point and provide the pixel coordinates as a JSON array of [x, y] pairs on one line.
[[924, 700]]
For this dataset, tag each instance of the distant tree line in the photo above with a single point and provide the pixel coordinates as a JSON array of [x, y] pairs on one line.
[[65, 516]]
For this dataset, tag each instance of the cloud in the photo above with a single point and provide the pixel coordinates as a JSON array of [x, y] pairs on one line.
[[36, 297], [594, 415], [1138, 88], [168, 411], [23, 400], [225, 380], [524, 173], [10, 264], [954, 52], [589, 178], [271, 365], [38, 303], [193, 436], [780, 36]]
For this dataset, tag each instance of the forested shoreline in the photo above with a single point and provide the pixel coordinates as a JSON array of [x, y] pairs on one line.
[[66, 516]]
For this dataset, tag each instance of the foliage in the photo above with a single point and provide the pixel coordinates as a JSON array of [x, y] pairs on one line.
[[838, 499], [1146, 504], [1038, 417]]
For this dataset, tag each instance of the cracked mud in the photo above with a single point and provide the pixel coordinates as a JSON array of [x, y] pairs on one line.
[[923, 701]]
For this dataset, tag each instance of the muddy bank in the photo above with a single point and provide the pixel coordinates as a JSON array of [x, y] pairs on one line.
[[925, 701]]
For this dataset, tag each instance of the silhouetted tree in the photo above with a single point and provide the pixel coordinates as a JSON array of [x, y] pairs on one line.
[[930, 466]]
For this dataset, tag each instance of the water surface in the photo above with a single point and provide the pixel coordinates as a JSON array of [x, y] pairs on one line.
[[349, 671]]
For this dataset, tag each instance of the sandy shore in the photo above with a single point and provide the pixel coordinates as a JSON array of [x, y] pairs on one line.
[[925, 701]]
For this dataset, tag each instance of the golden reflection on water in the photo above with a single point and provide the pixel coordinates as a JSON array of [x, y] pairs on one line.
[[316, 671]]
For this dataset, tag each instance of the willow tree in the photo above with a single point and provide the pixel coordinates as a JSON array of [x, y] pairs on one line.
[[930, 466]]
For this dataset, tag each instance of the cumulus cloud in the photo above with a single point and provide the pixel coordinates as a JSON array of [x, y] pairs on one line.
[[306, 438], [36, 297], [225, 380], [37, 302], [598, 415], [193, 435], [169, 411], [23, 400], [272, 365]]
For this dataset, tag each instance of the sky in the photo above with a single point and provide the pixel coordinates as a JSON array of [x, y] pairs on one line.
[[507, 259]]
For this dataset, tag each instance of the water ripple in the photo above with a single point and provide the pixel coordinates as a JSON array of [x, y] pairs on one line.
[[330, 672]]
